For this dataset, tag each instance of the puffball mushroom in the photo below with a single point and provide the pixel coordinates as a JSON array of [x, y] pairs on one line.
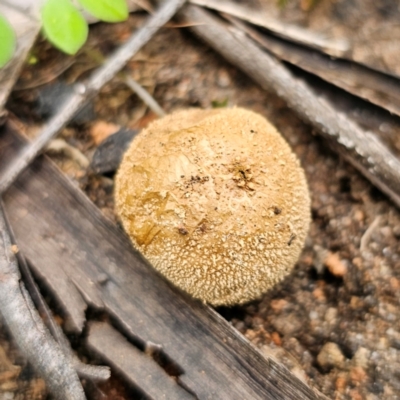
[[216, 201]]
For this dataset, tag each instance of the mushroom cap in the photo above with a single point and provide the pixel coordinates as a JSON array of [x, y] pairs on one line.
[[216, 201]]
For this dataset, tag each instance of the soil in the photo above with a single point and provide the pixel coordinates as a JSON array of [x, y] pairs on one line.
[[334, 320]]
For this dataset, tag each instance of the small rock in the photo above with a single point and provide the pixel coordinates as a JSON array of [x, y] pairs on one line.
[[359, 216], [335, 265], [250, 334], [320, 256], [382, 344], [331, 315], [330, 356], [276, 338], [375, 388], [319, 294], [357, 375], [355, 395], [223, 78], [361, 358], [101, 130], [239, 325], [386, 231], [289, 325], [341, 383], [278, 305], [396, 231]]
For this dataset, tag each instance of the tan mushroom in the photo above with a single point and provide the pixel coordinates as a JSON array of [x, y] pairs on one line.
[[216, 201]]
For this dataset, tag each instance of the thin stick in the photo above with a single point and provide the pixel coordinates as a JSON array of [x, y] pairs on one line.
[[27, 328], [145, 96], [84, 92], [363, 149], [366, 237]]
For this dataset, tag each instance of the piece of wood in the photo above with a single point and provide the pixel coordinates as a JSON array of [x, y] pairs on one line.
[[28, 330], [57, 225], [366, 32], [362, 148], [376, 87], [85, 371], [255, 13], [137, 367]]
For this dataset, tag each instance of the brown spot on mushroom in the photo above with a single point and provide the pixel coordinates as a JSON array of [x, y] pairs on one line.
[[182, 230], [203, 228], [211, 169], [292, 237], [277, 210]]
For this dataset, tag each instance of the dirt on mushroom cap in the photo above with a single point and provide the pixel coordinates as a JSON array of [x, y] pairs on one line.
[[216, 201]]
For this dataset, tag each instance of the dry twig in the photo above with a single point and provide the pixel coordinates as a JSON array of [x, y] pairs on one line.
[[84, 92], [58, 146], [362, 149], [366, 237], [144, 95]]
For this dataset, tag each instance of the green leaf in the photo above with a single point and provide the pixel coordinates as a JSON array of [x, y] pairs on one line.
[[282, 3], [106, 10], [219, 103], [7, 41], [64, 26]]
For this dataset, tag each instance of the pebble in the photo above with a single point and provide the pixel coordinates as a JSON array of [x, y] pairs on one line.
[[320, 256], [361, 357], [330, 356], [341, 383], [278, 305], [331, 315], [355, 395], [386, 231], [396, 231], [335, 266], [319, 294], [276, 338], [223, 78], [289, 326], [357, 375], [101, 130]]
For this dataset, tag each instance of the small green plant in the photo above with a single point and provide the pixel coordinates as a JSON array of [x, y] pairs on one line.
[[106, 10], [7, 41], [63, 24], [219, 103], [282, 3]]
